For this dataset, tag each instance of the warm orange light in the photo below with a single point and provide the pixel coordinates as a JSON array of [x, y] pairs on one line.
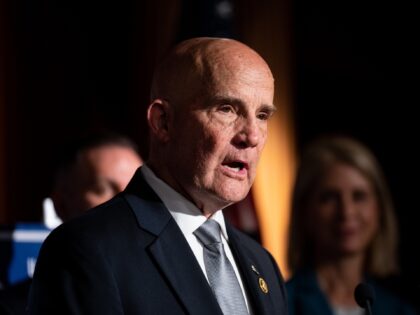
[[272, 188]]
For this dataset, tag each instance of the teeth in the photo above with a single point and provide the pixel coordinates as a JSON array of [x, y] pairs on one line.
[[235, 167]]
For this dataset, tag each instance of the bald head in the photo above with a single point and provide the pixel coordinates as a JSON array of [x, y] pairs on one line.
[[193, 67]]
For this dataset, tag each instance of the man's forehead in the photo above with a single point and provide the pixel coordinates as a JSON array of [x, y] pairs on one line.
[[197, 64]]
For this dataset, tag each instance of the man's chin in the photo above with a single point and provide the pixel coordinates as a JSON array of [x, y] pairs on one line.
[[232, 196], [222, 194]]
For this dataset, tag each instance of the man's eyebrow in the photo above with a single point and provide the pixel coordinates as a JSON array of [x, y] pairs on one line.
[[219, 99], [271, 109]]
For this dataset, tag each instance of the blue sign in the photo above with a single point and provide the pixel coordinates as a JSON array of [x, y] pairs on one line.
[[19, 248]]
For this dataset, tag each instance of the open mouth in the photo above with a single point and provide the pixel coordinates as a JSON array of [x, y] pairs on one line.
[[236, 166]]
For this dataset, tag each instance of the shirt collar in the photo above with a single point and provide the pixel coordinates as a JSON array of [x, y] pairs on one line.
[[185, 213]]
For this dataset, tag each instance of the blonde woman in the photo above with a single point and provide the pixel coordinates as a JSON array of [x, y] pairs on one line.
[[343, 231]]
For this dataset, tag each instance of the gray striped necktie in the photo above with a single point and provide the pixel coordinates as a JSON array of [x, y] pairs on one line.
[[222, 277]]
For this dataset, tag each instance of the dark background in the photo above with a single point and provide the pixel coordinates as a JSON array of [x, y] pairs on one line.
[[71, 67]]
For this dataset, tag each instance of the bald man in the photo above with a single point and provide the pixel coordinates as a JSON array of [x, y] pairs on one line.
[[143, 252]]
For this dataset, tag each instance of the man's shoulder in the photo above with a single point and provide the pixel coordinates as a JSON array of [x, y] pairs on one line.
[[95, 222]]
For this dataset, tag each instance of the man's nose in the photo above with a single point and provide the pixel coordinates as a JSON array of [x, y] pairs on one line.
[[249, 134]]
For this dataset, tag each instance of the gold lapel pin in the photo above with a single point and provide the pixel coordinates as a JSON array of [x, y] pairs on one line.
[[263, 285]]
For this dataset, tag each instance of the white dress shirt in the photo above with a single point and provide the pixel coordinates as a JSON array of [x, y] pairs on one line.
[[189, 218]]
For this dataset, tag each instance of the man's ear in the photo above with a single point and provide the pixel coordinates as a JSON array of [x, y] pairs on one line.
[[158, 118]]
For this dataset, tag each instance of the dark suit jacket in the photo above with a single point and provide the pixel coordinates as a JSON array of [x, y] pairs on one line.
[[128, 256], [306, 298]]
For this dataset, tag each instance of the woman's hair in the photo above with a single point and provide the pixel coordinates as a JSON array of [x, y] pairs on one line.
[[381, 259]]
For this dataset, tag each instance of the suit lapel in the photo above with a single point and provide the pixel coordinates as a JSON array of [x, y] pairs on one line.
[[170, 250], [247, 263]]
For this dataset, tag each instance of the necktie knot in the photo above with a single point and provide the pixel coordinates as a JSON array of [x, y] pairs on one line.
[[209, 233]]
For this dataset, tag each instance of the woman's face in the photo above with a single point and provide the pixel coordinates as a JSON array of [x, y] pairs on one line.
[[343, 212]]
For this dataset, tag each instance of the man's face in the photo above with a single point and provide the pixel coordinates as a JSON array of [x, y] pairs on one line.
[[104, 172], [217, 140], [98, 175]]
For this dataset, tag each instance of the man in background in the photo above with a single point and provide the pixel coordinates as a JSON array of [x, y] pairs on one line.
[[96, 170]]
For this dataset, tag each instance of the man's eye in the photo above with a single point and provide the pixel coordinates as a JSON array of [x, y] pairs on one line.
[[263, 115], [98, 188], [226, 108]]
